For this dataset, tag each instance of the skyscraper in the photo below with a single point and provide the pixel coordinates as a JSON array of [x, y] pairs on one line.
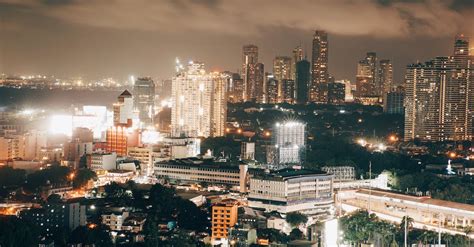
[[366, 82], [123, 110], [259, 83], [290, 142], [117, 135], [235, 87], [281, 71], [271, 89], [249, 61], [302, 81], [439, 100], [319, 68], [144, 99], [199, 102], [297, 56], [393, 101], [385, 77], [336, 93], [288, 91]]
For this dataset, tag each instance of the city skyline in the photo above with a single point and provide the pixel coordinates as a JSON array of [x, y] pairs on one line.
[[237, 123], [94, 46]]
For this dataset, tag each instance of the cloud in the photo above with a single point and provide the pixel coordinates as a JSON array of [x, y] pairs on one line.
[[382, 18]]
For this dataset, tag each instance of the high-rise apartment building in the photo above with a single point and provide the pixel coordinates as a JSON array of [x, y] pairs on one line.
[[365, 78], [384, 77], [288, 91], [297, 56], [336, 93], [281, 71], [199, 102], [393, 102], [259, 83], [117, 135], [235, 87], [123, 110], [319, 68], [289, 139], [271, 91], [144, 99], [302, 80], [439, 100], [249, 62]]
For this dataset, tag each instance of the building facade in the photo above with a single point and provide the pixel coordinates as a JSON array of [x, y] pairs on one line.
[[289, 140], [302, 80], [144, 99], [281, 72], [319, 68], [439, 100], [308, 192], [199, 102], [224, 217], [249, 62]]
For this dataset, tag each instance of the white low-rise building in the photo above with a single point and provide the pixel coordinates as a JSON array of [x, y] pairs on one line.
[[103, 161], [426, 212], [196, 170], [306, 191]]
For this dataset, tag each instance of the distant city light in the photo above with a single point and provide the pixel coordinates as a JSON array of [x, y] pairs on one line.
[[362, 142]]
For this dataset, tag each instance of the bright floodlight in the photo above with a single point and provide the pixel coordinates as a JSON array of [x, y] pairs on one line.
[[331, 232], [151, 137], [60, 124]]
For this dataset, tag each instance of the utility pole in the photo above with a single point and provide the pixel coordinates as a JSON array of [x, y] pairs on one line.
[[370, 186], [439, 231], [406, 235]]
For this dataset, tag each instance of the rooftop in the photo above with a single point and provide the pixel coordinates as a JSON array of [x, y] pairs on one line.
[[290, 173], [419, 199]]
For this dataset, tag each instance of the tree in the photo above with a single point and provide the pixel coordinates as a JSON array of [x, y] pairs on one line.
[[54, 198], [11, 177], [53, 174], [296, 234], [114, 190], [97, 235], [295, 219], [83, 176], [273, 235], [190, 217], [151, 232], [15, 232]]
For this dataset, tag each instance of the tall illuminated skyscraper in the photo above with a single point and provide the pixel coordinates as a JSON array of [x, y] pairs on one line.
[[123, 110], [199, 105], [259, 94], [117, 136], [385, 77], [365, 86], [289, 140], [249, 62], [271, 89], [144, 99], [281, 71], [297, 56], [366, 79], [439, 100], [319, 68]]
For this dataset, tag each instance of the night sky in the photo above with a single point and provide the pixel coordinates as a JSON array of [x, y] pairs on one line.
[[118, 38]]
